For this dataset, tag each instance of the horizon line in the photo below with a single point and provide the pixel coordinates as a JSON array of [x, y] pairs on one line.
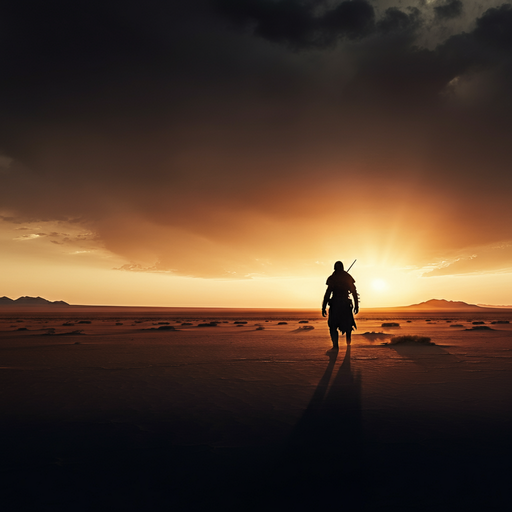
[[283, 308]]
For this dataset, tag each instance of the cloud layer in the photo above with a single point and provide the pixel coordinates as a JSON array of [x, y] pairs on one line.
[[225, 138]]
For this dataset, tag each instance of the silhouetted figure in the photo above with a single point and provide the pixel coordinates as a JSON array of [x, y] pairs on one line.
[[340, 285]]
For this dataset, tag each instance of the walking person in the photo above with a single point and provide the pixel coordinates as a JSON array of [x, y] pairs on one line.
[[340, 285]]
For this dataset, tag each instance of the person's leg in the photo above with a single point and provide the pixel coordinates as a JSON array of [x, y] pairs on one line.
[[334, 336], [349, 337]]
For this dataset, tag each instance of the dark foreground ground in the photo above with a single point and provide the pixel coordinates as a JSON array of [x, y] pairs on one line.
[[120, 418]]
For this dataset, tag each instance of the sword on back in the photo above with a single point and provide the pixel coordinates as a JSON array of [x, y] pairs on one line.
[[351, 265]]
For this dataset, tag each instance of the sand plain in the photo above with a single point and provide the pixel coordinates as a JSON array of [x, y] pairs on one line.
[[253, 416]]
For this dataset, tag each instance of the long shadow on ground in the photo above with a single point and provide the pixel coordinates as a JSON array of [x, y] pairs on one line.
[[321, 463]]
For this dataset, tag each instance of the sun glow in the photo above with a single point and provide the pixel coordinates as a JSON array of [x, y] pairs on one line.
[[379, 285]]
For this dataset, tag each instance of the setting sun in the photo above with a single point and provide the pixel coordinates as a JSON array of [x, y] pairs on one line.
[[379, 285]]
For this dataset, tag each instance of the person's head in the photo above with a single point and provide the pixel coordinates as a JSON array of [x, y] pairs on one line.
[[338, 267]]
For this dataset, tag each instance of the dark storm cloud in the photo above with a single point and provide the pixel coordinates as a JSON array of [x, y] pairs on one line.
[[494, 28], [395, 20], [179, 129], [301, 23], [449, 9]]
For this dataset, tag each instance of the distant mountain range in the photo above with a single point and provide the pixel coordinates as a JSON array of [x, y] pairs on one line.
[[429, 305], [31, 301]]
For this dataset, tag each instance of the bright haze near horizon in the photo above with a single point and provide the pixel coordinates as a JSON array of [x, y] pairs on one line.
[[228, 152]]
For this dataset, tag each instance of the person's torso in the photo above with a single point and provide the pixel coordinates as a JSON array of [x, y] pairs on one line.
[[341, 284]]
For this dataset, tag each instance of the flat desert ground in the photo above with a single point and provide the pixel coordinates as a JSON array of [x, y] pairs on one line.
[[253, 416]]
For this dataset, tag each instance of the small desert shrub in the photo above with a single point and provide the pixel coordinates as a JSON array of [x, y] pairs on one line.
[[408, 339]]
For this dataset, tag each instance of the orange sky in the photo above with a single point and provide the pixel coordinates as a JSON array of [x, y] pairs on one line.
[[228, 158], [79, 270]]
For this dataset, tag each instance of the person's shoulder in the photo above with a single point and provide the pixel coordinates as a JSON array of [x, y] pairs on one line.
[[349, 278], [330, 280]]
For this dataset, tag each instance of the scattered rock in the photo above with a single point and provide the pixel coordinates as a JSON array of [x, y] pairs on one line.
[[206, 324], [84, 322], [68, 324], [260, 328], [161, 328], [186, 323], [239, 322], [501, 322], [282, 323], [303, 321], [480, 328], [119, 323], [374, 336], [22, 329], [305, 328], [478, 323], [390, 324]]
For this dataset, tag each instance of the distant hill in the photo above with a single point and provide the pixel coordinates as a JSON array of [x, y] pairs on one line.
[[31, 301], [442, 304]]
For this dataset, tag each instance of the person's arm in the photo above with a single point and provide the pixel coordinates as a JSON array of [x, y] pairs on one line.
[[327, 296], [355, 296]]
